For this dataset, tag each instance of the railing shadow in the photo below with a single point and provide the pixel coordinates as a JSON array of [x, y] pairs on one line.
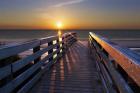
[[55, 79]]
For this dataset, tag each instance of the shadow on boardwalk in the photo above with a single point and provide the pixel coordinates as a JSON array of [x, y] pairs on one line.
[[74, 73]]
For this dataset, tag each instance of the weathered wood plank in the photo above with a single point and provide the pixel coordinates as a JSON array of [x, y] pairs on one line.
[[13, 68], [21, 78], [29, 85], [21, 63], [15, 49], [5, 71], [7, 88], [127, 59], [75, 72], [48, 39]]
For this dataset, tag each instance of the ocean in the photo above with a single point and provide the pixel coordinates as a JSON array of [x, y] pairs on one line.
[[10, 35], [127, 38]]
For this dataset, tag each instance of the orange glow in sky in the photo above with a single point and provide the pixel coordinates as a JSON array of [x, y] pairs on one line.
[[72, 14]]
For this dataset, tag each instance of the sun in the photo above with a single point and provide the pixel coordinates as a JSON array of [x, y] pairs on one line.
[[59, 24]]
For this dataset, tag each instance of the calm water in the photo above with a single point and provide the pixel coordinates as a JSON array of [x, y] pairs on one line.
[[123, 37], [8, 35]]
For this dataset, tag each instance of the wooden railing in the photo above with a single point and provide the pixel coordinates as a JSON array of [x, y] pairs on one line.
[[119, 67], [20, 76]]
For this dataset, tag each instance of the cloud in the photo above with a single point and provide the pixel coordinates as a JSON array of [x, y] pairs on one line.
[[68, 3]]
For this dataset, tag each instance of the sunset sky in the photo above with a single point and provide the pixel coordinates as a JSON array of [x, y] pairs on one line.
[[74, 14]]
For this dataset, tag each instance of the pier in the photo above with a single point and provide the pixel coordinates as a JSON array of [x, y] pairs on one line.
[[66, 64]]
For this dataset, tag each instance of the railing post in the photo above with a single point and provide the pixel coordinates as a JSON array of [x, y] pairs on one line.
[[58, 41], [113, 74], [51, 50], [69, 40], [63, 45], [66, 42], [25, 71], [75, 37], [34, 51], [89, 45]]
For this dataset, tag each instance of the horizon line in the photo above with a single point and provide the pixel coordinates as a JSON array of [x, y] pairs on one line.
[[70, 29]]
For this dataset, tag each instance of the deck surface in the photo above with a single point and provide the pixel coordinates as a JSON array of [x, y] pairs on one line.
[[75, 73]]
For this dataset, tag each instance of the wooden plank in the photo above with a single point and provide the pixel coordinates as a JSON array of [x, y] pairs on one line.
[[5, 71], [118, 79], [18, 48], [21, 78], [58, 41], [51, 55], [31, 70], [21, 63], [36, 49], [48, 39], [127, 59], [7, 88], [49, 64], [68, 75], [51, 50], [31, 83], [15, 49]]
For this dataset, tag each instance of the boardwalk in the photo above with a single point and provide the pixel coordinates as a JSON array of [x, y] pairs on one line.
[[74, 73], [94, 66]]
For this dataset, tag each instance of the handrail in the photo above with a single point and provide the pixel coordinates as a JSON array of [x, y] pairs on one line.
[[113, 53], [21, 75]]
